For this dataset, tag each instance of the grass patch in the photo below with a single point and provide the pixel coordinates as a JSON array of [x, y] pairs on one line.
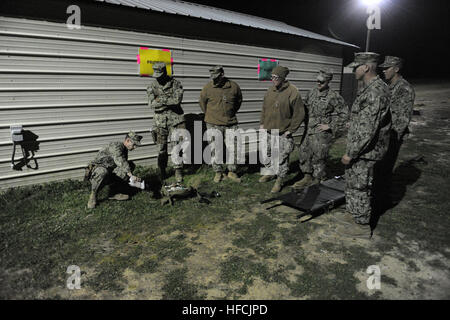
[[243, 270], [45, 228], [176, 287], [258, 234]]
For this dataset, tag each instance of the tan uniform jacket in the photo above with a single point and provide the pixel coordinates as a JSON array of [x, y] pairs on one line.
[[283, 109], [221, 103]]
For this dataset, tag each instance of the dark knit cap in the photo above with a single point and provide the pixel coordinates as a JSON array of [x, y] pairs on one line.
[[280, 71]]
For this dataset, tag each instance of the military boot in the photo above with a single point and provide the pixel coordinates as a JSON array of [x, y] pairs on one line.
[[306, 181], [179, 175], [92, 200], [266, 178], [218, 177], [233, 177], [120, 197], [277, 186], [355, 231]]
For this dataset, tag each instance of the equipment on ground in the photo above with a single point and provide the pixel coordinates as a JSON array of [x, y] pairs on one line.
[[315, 199]]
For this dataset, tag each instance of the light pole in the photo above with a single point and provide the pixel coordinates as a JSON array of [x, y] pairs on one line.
[[374, 19]]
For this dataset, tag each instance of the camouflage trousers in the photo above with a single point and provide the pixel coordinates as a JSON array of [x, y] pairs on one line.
[[217, 165], [165, 122], [359, 189], [100, 175], [314, 153], [280, 166]]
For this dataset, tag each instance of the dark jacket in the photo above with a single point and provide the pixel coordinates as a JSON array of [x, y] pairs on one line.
[[283, 109], [220, 103]]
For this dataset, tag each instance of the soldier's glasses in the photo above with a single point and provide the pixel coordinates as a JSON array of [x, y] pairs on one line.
[[321, 82], [275, 77]]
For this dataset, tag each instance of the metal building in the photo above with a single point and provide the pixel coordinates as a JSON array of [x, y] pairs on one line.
[[76, 90]]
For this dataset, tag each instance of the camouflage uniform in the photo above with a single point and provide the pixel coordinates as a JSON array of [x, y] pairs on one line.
[[367, 143], [402, 103], [165, 101], [111, 161], [286, 146], [326, 107], [219, 167]]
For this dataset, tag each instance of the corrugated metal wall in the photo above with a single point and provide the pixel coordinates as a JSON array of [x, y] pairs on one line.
[[80, 89]]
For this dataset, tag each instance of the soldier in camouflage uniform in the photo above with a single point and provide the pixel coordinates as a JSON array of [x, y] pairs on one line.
[[165, 94], [326, 116], [112, 162], [282, 110], [367, 143], [402, 103], [220, 100]]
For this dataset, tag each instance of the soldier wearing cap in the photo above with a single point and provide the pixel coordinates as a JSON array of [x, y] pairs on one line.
[[326, 116], [367, 143], [165, 94], [112, 162], [220, 100], [283, 110], [402, 102]]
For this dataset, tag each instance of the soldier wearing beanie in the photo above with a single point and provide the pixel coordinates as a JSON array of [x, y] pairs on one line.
[[326, 114], [111, 163], [282, 110]]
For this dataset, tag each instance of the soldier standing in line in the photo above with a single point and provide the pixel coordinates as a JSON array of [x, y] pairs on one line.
[[220, 100], [326, 114], [283, 110], [402, 103], [367, 143], [165, 94], [112, 162]]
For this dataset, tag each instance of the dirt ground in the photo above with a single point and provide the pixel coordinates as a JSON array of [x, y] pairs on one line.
[[235, 248]]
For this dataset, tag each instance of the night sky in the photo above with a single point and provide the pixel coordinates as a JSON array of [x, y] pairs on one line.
[[417, 30]]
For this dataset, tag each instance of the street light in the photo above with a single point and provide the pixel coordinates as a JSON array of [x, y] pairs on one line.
[[373, 21], [371, 2]]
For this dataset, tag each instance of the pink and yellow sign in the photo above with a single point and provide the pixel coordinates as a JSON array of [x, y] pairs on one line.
[[147, 57]]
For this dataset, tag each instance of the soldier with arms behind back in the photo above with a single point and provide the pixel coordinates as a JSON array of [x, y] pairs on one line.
[[326, 114], [220, 100]]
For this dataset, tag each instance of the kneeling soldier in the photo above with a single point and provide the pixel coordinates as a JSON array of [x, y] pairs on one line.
[[112, 162]]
